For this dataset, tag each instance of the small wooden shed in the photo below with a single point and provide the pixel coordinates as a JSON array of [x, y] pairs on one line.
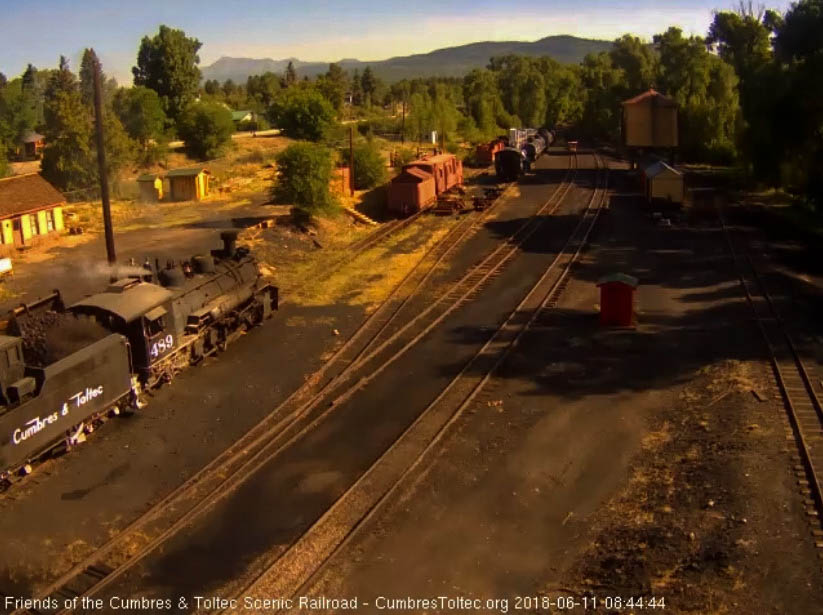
[[188, 184], [33, 144], [650, 120], [412, 190], [617, 300], [151, 188], [663, 183]]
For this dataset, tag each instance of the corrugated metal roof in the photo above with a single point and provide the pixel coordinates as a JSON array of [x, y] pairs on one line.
[[187, 172], [130, 303], [659, 168], [147, 177], [652, 93], [23, 193]]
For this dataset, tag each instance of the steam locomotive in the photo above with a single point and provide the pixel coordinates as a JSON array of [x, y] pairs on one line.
[[65, 369]]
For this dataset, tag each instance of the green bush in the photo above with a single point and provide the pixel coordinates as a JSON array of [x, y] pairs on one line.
[[4, 165], [302, 113], [404, 156], [369, 167], [206, 129], [304, 171]]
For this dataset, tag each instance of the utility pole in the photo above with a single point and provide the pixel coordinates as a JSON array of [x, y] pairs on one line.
[[351, 159], [403, 133], [101, 161]]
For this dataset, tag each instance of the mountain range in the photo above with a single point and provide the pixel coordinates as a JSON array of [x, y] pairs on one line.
[[447, 62]]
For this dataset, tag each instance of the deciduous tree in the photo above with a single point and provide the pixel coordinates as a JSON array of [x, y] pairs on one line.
[[206, 129], [302, 113], [304, 172], [369, 166], [167, 63]]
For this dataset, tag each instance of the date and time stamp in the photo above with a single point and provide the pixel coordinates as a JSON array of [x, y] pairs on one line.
[[538, 603]]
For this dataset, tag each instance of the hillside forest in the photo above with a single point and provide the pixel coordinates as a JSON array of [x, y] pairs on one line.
[[749, 95]]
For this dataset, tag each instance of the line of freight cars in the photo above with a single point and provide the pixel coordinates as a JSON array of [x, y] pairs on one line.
[[63, 370], [422, 181]]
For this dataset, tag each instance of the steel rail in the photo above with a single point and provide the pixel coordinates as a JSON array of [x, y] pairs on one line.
[[332, 532], [95, 574], [800, 400]]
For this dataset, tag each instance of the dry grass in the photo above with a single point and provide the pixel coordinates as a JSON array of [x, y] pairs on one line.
[[366, 279]]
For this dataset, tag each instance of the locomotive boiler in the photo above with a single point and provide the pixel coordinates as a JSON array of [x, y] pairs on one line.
[[63, 370]]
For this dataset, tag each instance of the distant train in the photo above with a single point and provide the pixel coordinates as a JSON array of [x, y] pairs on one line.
[[64, 369], [524, 147], [421, 181]]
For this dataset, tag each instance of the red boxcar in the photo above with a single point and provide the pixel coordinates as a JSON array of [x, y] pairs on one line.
[[446, 169], [412, 190], [485, 153], [422, 181]]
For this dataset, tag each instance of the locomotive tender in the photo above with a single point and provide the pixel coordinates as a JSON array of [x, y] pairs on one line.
[[135, 335]]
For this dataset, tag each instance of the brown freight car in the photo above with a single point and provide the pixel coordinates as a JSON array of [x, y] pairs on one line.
[[446, 169], [422, 181], [486, 152], [411, 191]]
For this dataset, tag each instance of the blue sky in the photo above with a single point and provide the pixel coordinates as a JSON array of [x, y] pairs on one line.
[[38, 31]]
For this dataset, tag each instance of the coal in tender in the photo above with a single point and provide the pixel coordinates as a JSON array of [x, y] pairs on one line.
[[50, 336]]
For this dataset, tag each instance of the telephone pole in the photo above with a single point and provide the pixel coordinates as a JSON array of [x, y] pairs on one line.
[[351, 160], [403, 130], [101, 161]]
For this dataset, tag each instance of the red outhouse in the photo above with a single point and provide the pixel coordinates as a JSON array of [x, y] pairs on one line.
[[617, 300]]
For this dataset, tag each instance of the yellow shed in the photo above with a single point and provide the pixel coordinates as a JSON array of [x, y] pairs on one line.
[[188, 184], [662, 182], [650, 120], [151, 188]]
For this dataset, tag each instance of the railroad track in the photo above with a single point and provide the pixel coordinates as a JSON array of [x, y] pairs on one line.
[[374, 342], [802, 404], [292, 571], [384, 231]]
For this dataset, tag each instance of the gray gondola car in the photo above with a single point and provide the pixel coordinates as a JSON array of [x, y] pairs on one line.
[[42, 406], [508, 164]]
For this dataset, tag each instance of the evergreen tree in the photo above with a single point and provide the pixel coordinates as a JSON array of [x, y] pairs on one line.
[[68, 160], [368, 85], [87, 67], [29, 78], [291, 74], [356, 89], [333, 86], [212, 86]]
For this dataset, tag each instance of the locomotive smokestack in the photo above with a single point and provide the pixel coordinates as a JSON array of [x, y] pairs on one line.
[[229, 243]]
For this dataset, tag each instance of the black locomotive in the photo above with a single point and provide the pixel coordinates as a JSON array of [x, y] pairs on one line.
[[511, 162], [63, 369], [508, 164]]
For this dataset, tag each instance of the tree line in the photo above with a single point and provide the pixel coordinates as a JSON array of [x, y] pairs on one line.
[[748, 93]]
